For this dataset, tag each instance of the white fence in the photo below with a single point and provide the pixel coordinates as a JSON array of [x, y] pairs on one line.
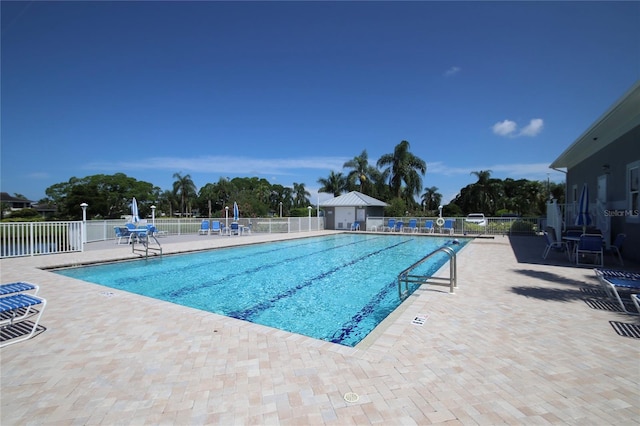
[[37, 238], [492, 225]]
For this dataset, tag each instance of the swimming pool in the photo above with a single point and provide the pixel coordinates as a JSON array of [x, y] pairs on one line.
[[336, 288]]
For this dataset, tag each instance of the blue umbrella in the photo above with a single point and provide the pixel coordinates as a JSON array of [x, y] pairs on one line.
[[236, 212], [134, 211], [583, 219]]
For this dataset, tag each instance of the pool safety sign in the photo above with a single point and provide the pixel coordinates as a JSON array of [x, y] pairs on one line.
[[420, 319]]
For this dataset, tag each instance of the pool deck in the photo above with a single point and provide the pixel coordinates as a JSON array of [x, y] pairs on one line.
[[523, 341]]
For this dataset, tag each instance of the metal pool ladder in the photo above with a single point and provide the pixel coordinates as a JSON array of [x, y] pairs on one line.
[[407, 278], [145, 241]]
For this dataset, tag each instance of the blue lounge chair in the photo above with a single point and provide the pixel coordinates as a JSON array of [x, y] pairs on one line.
[[428, 227], [355, 226], [391, 224], [234, 229], [216, 227], [412, 226], [16, 308], [18, 287], [449, 226], [204, 228], [399, 226], [614, 286]]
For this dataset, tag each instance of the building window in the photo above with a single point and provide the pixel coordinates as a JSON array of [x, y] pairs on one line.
[[633, 185]]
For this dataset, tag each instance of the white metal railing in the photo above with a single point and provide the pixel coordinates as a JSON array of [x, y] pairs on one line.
[[407, 278], [492, 225], [37, 238]]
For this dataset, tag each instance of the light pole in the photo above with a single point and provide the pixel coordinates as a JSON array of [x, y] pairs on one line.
[[153, 215], [226, 216], [84, 222], [309, 208], [280, 208]]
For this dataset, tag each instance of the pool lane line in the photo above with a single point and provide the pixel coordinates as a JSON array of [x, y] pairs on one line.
[[246, 314], [184, 290], [350, 327]]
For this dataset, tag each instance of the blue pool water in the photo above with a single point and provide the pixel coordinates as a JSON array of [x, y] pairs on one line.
[[336, 288]]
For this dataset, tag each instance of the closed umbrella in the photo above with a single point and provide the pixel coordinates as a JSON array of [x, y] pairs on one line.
[[135, 217], [583, 219], [236, 212]]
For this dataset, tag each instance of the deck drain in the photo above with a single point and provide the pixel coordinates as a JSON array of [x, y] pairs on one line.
[[107, 293], [351, 397]]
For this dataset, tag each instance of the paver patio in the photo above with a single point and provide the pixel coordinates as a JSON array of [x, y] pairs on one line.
[[521, 342]]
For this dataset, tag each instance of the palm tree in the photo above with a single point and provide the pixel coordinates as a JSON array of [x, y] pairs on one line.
[[185, 188], [361, 172], [483, 191], [431, 198], [335, 184], [301, 195], [404, 167]]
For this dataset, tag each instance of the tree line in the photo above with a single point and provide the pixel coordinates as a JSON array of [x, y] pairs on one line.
[[396, 178]]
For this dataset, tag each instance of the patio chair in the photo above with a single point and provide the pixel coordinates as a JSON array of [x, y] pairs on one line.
[[234, 228], [122, 232], [18, 287], [391, 224], [355, 226], [216, 227], [616, 246], [204, 228], [554, 245], [16, 308], [412, 226], [614, 286], [449, 226], [399, 226], [428, 227], [590, 245]]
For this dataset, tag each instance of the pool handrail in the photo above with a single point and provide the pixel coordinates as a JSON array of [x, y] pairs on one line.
[[405, 277]]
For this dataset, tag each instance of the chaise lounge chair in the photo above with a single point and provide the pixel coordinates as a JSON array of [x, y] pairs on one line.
[[449, 225], [412, 226], [16, 308], [355, 226], [428, 227], [391, 224], [613, 285], [216, 227], [204, 228], [18, 287]]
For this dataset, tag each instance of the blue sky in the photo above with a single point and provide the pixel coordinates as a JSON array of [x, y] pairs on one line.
[[289, 91]]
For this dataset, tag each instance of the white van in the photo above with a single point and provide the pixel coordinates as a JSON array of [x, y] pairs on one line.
[[476, 218]]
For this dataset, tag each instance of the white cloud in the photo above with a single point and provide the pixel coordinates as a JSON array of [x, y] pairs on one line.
[[452, 71], [505, 128], [226, 165], [533, 128], [509, 128]]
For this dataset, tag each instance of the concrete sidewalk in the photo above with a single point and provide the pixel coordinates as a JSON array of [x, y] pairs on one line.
[[521, 342]]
